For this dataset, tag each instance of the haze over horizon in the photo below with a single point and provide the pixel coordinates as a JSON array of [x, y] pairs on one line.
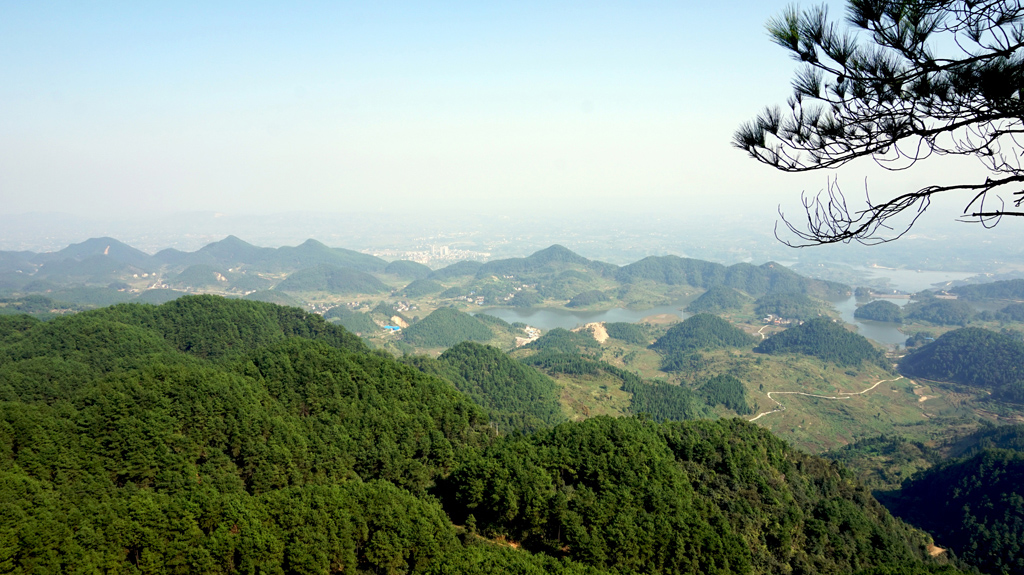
[[125, 110]]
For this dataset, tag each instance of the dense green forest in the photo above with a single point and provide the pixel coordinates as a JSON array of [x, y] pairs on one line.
[[972, 356], [445, 327], [940, 311], [789, 306], [587, 298], [124, 449], [332, 279], [564, 341], [421, 287], [754, 280], [494, 321], [825, 339], [628, 332], [517, 397], [971, 501], [1012, 312], [1004, 289], [526, 298], [228, 436], [727, 391], [885, 461], [408, 269], [716, 299], [880, 310], [993, 437], [702, 331], [359, 323], [37, 306], [974, 505], [700, 497]]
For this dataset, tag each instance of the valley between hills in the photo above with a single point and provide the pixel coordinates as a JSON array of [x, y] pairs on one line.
[[381, 301], [759, 343]]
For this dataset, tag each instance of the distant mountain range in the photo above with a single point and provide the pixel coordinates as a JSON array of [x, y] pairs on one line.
[[235, 266]]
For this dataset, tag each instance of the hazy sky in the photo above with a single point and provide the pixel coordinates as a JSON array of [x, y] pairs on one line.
[[258, 106]]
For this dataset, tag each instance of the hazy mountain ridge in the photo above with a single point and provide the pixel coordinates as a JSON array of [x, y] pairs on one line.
[[233, 266]]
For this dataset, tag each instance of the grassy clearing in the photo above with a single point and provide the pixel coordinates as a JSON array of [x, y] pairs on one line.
[[589, 396]]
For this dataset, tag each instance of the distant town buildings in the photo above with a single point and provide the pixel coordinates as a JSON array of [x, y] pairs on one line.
[[436, 255]]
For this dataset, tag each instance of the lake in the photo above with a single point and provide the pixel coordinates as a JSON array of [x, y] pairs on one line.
[[914, 280], [884, 333], [547, 318], [880, 331]]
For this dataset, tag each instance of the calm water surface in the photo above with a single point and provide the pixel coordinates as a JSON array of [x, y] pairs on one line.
[[915, 280], [880, 331], [884, 333], [547, 318]]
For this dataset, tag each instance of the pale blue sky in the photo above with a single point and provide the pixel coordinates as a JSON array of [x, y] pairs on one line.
[[265, 106]]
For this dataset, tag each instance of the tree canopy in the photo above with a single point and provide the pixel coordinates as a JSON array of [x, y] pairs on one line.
[[517, 397], [910, 80], [699, 332], [972, 356], [825, 339], [880, 310], [210, 435], [445, 327], [974, 505]]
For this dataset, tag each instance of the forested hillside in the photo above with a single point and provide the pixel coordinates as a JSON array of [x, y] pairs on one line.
[[717, 299], [880, 310], [233, 252], [332, 279], [125, 451], [702, 331], [587, 298], [974, 505], [789, 306], [407, 269], [446, 327], [754, 280], [940, 311], [628, 332], [972, 356], [104, 271], [209, 435], [37, 306], [824, 339], [516, 397], [1004, 289], [561, 340], [421, 287], [702, 497]]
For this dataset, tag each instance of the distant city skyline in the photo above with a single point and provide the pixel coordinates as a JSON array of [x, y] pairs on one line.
[[125, 109]]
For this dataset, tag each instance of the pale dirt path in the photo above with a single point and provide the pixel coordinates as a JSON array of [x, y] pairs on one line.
[[596, 329], [842, 395], [761, 330]]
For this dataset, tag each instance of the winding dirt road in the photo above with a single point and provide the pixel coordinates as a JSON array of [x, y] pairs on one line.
[[841, 395]]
